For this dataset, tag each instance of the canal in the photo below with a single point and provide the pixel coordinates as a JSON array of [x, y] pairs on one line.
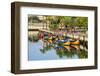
[[43, 49]]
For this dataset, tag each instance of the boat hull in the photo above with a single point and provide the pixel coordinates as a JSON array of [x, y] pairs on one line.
[[66, 43], [75, 42]]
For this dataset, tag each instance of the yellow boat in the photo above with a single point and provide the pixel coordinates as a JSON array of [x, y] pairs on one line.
[[50, 38], [56, 39], [60, 38], [75, 42], [67, 43], [50, 41]]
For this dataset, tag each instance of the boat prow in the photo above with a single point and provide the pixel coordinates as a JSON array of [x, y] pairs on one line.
[[77, 42]]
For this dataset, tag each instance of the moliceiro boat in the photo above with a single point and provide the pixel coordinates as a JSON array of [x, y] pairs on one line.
[[66, 43], [77, 42]]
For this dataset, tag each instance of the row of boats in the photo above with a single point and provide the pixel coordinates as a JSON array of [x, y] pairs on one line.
[[63, 44], [65, 41]]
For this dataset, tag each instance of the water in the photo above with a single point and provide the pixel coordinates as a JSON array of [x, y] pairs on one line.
[[42, 50]]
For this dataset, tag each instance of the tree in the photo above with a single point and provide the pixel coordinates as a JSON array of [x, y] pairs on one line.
[[82, 22], [54, 23]]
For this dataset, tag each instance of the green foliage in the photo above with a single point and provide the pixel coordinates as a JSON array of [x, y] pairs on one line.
[[83, 54], [68, 21], [81, 21], [55, 22]]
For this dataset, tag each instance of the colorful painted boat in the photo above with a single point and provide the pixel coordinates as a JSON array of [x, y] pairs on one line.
[[77, 42], [50, 38], [50, 41], [66, 43], [56, 39]]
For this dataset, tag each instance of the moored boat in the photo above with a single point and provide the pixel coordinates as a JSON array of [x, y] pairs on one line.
[[77, 42], [50, 41], [50, 38], [66, 43]]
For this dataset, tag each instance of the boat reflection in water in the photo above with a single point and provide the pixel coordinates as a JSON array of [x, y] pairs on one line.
[[51, 48]]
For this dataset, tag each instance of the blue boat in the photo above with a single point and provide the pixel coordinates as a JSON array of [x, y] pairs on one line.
[[61, 41]]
